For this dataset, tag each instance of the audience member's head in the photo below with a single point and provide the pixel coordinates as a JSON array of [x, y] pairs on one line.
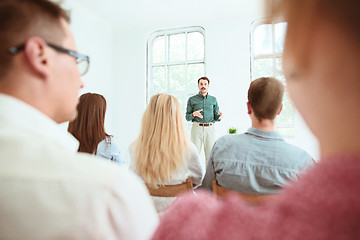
[[162, 144], [323, 79], [89, 125], [265, 98], [38, 59]]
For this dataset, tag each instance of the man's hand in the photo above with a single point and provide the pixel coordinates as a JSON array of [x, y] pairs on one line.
[[197, 114], [221, 115]]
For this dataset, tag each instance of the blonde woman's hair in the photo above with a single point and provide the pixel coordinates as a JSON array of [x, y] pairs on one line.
[[162, 146]]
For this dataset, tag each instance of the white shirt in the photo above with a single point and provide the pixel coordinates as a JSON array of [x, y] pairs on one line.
[[49, 191]]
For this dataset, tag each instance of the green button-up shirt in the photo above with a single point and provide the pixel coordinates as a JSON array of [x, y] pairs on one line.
[[209, 106]]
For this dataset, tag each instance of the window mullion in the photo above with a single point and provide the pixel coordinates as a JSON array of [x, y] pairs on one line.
[[167, 59], [273, 48], [186, 62]]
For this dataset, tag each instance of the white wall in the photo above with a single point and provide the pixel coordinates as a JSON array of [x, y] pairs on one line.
[[94, 36], [118, 66]]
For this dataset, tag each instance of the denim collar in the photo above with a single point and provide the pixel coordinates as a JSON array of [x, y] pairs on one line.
[[264, 134]]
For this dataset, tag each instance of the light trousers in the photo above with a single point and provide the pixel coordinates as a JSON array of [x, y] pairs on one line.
[[203, 136]]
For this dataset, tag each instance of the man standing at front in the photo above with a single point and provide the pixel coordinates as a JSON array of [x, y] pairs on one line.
[[203, 110]]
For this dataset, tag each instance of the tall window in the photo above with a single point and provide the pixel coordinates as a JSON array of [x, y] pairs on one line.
[[176, 59], [267, 44]]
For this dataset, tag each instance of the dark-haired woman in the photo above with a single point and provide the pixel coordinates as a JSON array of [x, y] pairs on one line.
[[89, 128]]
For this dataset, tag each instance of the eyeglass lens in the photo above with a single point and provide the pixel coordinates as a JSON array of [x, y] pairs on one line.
[[83, 66]]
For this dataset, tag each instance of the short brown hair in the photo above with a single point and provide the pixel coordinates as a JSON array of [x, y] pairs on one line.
[[89, 125], [265, 97], [203, 78], [21, 19]]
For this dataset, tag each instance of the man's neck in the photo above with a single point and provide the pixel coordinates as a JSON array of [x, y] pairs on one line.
[[265, 124], [203, 94]]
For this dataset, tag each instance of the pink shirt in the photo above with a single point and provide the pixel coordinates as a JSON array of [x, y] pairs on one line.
[[324, 204]]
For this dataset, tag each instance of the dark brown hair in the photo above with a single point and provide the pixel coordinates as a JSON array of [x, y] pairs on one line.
[[89, 125], [203, 78], [265, 97], [21, 19]]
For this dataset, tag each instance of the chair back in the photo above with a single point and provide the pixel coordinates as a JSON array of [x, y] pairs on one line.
[[253, 199], [170, 190]]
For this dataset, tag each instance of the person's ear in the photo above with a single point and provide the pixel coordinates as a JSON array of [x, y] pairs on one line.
[[249, 108], [37, 56], [281, 107]]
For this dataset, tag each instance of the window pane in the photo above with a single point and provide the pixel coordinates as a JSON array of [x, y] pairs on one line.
[[177, 47], [287, 115], [182, 100], [159, 50], [159, 83], [279, 71], [262, 39], [287, 132], [263, 68], [280, 30], [195, 71], [195, 46], [177, 78]]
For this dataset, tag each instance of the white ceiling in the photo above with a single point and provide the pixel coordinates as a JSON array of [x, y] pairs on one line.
[[140, 11]]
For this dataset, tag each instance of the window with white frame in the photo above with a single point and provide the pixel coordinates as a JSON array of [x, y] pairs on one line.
[[267, 44], [176, 60]]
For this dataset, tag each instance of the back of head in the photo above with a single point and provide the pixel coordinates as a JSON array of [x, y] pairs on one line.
[[21, 19], [162, 144], [89, 125], [265, 97]]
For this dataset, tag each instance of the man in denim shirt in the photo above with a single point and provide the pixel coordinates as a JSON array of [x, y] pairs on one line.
[[258, 161], [203, 110]]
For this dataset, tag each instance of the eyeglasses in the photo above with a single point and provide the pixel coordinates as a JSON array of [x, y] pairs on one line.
[[82, 61]]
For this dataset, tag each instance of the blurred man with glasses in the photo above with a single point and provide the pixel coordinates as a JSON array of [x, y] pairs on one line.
[[47, 189]]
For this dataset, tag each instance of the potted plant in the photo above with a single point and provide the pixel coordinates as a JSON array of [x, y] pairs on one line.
[[232, 130]]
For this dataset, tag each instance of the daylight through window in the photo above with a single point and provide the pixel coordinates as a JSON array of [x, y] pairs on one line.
[[176, 59], [267, 44]]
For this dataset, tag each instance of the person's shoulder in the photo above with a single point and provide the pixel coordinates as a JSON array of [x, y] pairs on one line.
[[111, 140], [93, 170], [295, 149], [193, 97], [180, 216], [231, 138], [229, 143], [296, 155], [186, 203], [211, 97], [123, 189]]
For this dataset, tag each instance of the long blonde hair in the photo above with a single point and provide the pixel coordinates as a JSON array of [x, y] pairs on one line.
[[162, 146]]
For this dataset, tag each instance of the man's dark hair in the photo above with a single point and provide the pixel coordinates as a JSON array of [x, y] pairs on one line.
[[21, 19], [265, 97], [203, 78]]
